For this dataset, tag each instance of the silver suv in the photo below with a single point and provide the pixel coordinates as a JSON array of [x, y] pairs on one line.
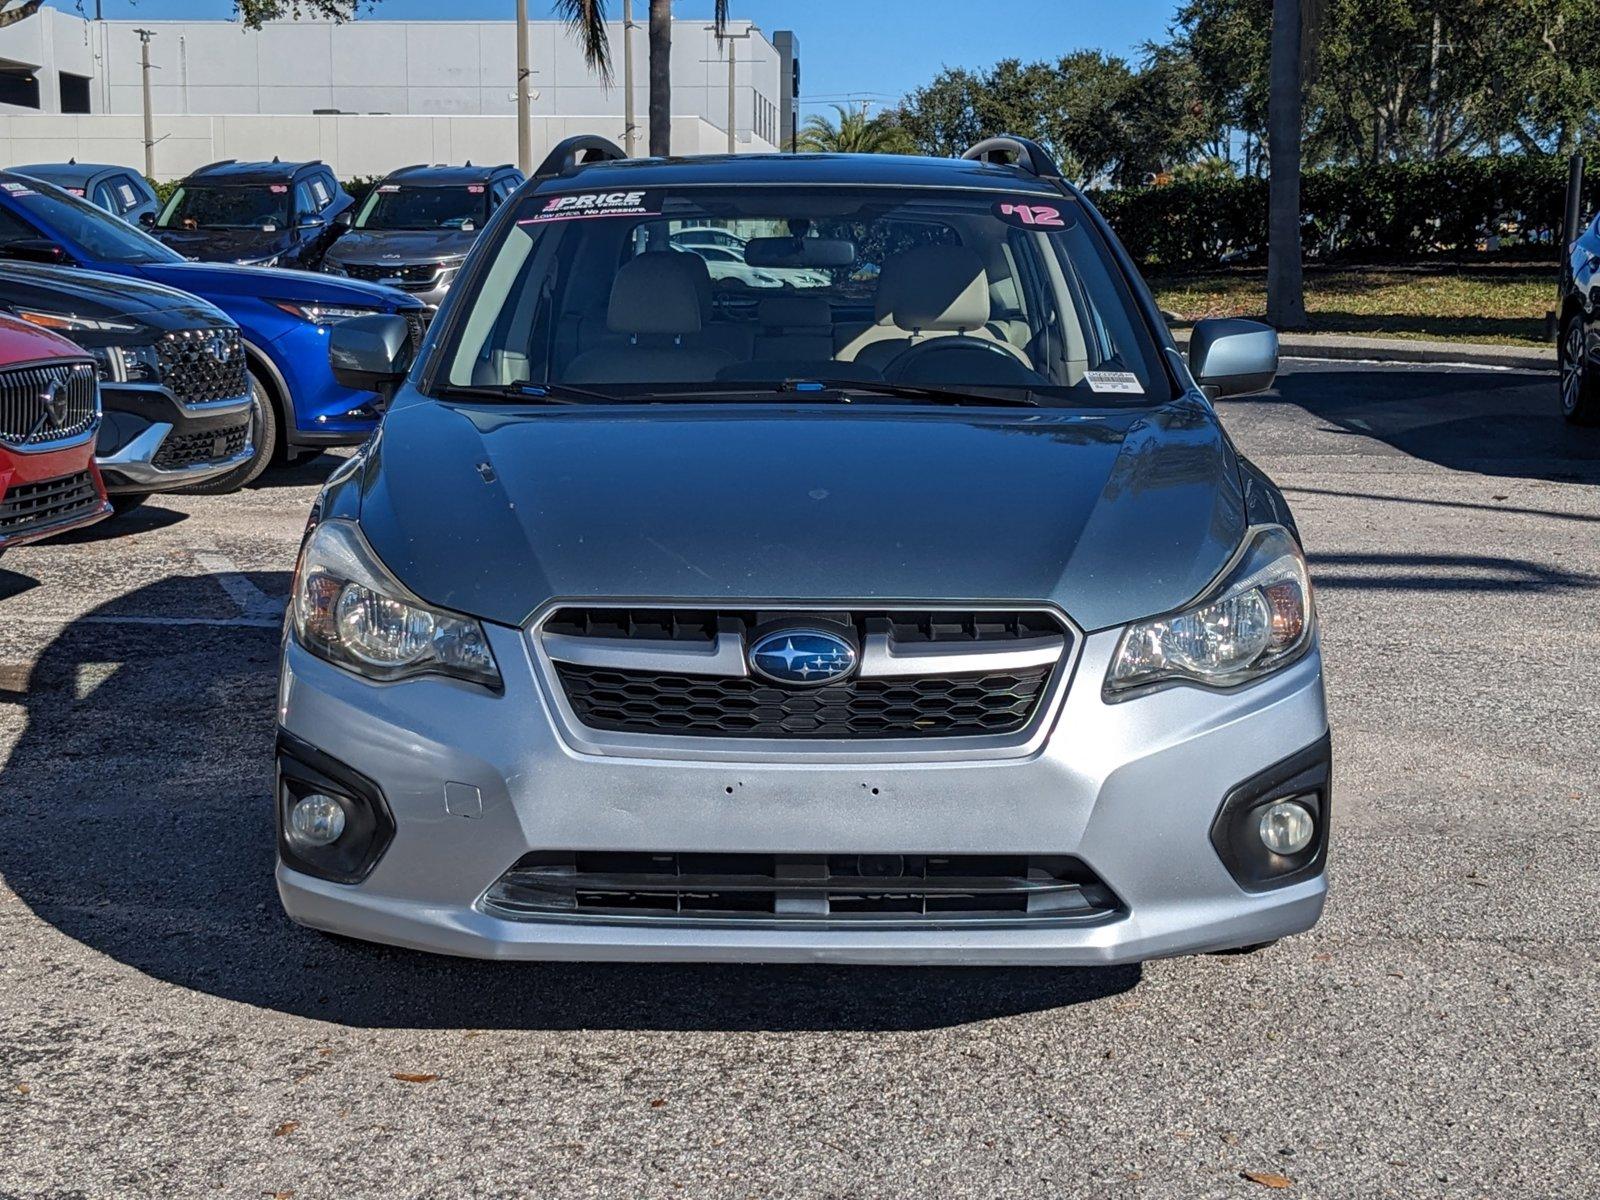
[[917, 610]]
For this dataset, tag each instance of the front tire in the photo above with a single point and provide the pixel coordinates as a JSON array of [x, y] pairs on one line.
[[1580, 389], [264, 440]]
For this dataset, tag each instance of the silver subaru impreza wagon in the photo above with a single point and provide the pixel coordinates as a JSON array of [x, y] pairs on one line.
[[882, 588]]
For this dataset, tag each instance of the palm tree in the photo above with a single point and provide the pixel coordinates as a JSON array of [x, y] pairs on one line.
[[1286, 301], [853, 132], [1295, 28], [587, 21]]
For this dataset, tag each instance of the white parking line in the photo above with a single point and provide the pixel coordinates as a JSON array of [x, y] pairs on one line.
[[252, 601]]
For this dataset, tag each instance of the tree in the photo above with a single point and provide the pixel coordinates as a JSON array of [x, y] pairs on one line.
[[587, 20], [853, 132]]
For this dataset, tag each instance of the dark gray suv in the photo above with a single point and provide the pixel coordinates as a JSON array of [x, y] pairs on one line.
[[417, 224]]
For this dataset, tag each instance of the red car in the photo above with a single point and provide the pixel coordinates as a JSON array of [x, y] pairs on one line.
[[49, 413]]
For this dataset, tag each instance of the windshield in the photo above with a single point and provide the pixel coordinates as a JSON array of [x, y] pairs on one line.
[[727, 289], [463, 206], [98, 236], [255, 206]]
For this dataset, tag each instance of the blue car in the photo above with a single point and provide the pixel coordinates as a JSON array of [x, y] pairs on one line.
[[121, 191], [283, 315]]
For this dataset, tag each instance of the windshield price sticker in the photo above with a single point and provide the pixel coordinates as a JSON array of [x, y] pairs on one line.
[[1114, 381], [277, 189], [585, 205], [1031, 216], [475, 189], [18, 189], [389, 187]]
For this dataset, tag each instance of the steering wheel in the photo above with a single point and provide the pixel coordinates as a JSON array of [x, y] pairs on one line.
[[1016, 370]]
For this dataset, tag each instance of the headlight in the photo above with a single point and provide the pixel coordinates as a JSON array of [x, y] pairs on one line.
[[332, 268], [68, 324], [270, 260], [348, 609], [324, 314], [1258, 618]]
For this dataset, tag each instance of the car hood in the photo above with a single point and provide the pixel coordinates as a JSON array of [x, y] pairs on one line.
[[494, 510], [226, 245], [213, 280], [117, 298], [400, 246]]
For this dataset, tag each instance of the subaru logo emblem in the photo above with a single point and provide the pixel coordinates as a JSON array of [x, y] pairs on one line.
[[802, 657]]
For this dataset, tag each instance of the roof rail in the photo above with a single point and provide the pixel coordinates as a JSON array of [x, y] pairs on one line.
[[1008, 150], [575, 152]]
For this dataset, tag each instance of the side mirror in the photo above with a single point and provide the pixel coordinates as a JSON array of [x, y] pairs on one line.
[[147, 219], [370, 354], [38, 250], [312, 221], [1232, 357], [344, 220]]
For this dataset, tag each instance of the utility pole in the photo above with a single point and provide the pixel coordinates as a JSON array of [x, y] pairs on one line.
[[733, 95], [144, 81], [630, 129], [524, 123]]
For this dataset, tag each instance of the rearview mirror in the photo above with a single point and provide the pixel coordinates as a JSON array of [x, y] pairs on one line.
[[1233, 357], [799, 252], [39, 250], [370, 354]]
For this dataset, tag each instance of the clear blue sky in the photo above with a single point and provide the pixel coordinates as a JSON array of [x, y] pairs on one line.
[[846, 46]]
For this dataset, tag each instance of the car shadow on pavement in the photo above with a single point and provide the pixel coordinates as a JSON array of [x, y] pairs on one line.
[[135, 817], [1498, 423]]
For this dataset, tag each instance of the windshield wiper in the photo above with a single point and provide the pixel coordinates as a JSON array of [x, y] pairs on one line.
[[904, 391], [525, 391]]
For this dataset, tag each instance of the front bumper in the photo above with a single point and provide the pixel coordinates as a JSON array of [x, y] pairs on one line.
[[1130, 789], [430, 291], [48, 492], [142, 419]]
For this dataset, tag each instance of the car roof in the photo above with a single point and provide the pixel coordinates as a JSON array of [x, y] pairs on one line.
[[867, 170], [445, 173], [71, 174], [232, 171]]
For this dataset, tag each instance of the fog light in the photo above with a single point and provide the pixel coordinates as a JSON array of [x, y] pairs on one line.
[[1287, 827], [318, 820]]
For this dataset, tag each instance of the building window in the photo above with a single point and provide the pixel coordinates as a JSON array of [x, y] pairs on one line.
[[74, 93], [19, 86]]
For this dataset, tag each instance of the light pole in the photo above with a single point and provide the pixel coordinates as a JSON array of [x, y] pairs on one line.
[[524, 123], [630, 130], [144, 83], [733, 95]]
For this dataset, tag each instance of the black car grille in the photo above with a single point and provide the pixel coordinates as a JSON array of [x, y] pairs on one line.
[[199, 365], [840, 889], [413, 273], [616, 696], [47, 402], [28, 506], [190, 449], [948, 706]]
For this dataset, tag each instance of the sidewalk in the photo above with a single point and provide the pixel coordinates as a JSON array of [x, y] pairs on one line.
[[1339, 346]]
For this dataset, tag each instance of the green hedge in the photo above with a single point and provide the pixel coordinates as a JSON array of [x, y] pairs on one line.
[[1392, 212]]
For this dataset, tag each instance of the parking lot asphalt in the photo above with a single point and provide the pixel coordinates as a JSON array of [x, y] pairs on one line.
[[164, 1030]]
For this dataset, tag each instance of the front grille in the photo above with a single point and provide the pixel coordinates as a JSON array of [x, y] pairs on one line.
[[416, 326], [200, 365], [921, 674], [412, 273], [189, 449], [28, 506], [842, 889], [946, 706], [47, 402]]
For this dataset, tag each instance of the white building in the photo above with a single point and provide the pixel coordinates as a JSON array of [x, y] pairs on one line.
[[364, 96]]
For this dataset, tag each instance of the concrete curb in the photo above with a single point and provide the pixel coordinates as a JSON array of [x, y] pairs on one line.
[[1335, 346]]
